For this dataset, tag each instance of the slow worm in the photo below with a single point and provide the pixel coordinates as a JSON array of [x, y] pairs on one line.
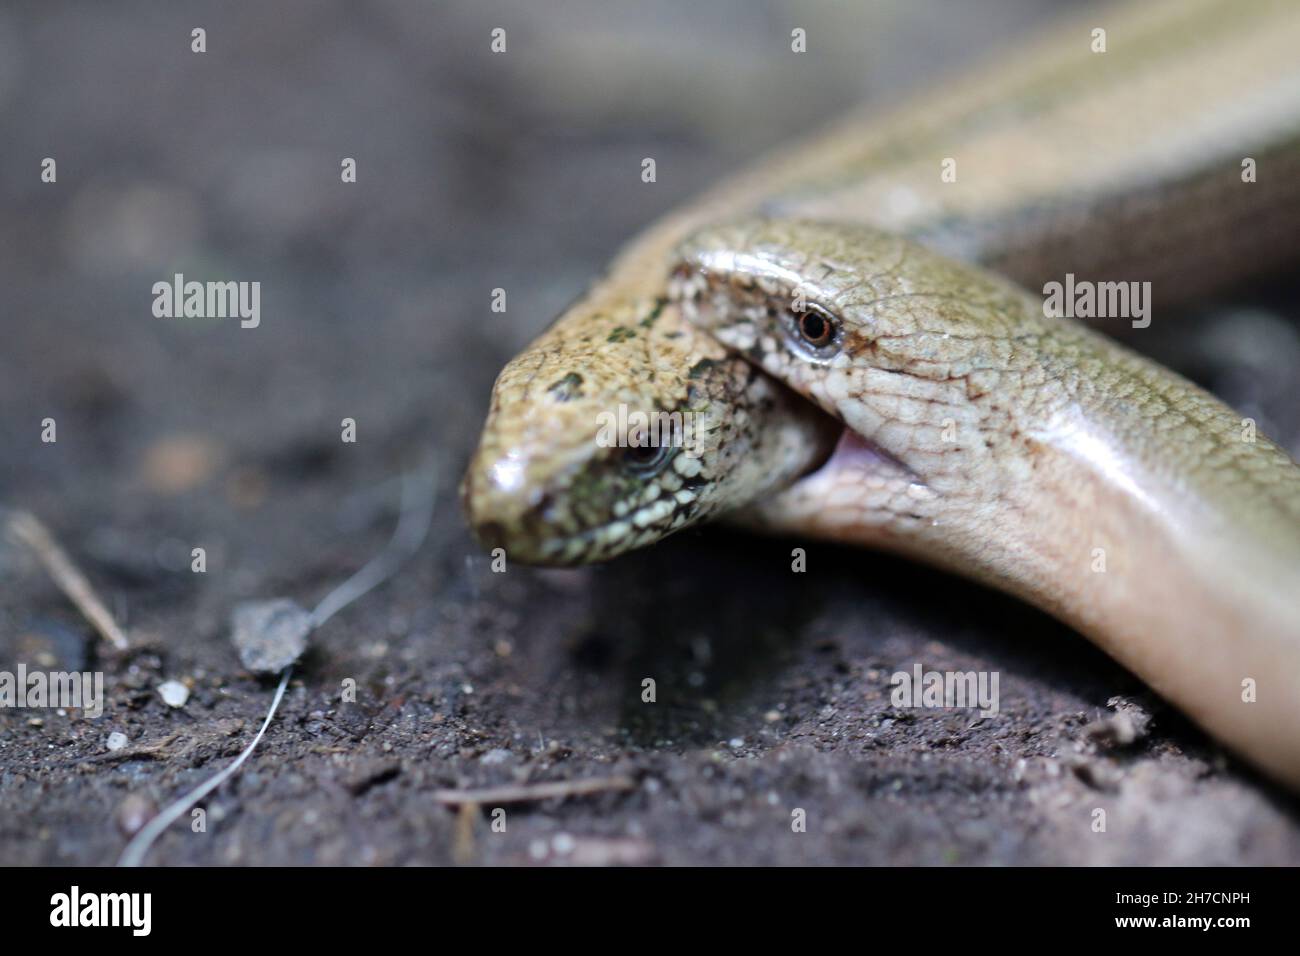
[[1127, 164], [1031, 453]]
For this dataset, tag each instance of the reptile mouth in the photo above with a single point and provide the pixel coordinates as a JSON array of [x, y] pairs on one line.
[[853, 452]]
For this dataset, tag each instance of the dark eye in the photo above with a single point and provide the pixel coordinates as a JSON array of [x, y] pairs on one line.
[[644, 459], [816, 328], [815, 332]]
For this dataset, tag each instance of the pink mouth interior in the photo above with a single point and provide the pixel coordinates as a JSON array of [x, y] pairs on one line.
[[854, 453]]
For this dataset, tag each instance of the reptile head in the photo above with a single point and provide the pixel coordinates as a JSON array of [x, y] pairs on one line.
[[816, 303], [914, 352], [622, 424]]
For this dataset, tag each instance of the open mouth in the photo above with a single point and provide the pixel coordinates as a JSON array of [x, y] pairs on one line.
[[854, 453]]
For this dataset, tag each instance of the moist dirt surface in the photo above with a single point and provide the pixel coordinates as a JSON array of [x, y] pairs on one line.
[[771, 739]]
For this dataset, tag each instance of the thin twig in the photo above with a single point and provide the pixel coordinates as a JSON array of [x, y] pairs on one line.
[[418, 492], [462, 849], [134, 853], [529, 792], [26, 528]]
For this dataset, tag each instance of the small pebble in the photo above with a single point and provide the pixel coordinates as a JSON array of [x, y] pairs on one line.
[[116, 740], [562, 843], [1098, 774], [1129, 724], [133, 813], [173, 693], [180, 463], [269, 635]]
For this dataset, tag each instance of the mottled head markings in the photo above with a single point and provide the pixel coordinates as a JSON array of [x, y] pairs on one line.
[[547, 486], [566, 388]]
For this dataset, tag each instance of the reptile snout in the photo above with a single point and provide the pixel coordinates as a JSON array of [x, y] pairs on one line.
[[497, 501]]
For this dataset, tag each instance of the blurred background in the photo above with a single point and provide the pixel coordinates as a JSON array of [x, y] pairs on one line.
[[477, 171]]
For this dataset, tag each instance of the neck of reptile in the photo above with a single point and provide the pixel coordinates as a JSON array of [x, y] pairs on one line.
[[1151, 527]]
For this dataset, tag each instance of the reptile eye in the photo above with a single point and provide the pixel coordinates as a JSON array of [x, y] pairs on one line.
[[644, 459], [815, 330]]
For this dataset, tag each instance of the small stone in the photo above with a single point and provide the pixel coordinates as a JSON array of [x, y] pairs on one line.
[[133, 813], [179, 463], [1129, 724], [735, 743], [173, 693], [116, 740], [269, 635], [563, 844], [1096, 773], [495, 756]]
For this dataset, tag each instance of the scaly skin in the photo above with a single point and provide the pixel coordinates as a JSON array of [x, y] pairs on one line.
[[1122, 165], [1030, 453], [1115, 166], [551, 500]]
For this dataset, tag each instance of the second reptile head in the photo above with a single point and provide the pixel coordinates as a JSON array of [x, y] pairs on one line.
[[622, 424]]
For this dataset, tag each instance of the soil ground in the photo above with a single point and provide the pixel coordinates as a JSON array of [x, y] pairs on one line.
[[475, 172]]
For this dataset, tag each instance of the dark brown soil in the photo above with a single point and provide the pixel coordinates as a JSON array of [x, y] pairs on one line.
[[476, 172]]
